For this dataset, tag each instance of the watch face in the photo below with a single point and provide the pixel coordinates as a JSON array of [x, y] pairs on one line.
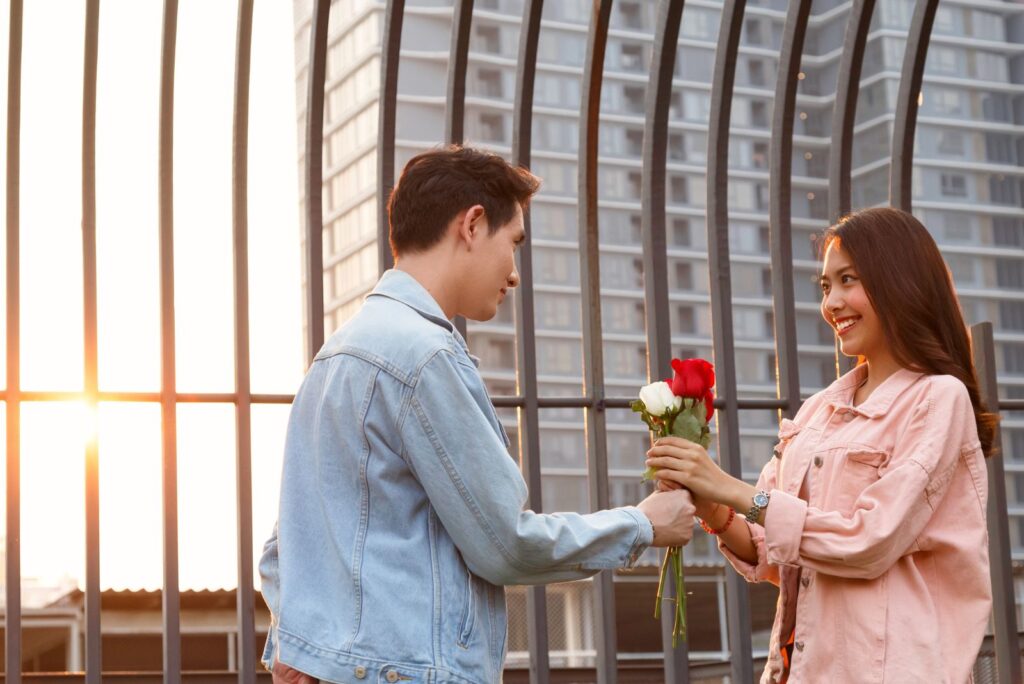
[[761, 499]]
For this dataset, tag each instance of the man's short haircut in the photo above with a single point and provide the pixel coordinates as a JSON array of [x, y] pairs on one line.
[[436, 185]]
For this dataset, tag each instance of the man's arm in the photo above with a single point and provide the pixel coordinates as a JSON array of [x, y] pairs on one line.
[[478, 493]]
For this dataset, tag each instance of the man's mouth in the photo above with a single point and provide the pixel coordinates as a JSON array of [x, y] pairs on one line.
[[843, 325]]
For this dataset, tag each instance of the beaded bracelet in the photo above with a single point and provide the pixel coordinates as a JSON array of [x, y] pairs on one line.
[[728, 521]]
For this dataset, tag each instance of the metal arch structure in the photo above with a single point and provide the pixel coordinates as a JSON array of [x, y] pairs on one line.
[[844, 114], [723, 79], [594, 399], [901, 169], [780, 216], [13, 396], [526, 340], [655, 257], [595, 419], [391, 45]]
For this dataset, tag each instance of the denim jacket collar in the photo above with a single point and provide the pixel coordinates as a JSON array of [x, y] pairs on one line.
[[402, 287], [840, 393]]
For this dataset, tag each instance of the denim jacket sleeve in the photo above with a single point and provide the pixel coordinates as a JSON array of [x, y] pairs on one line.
[[270, 588], [478, 492]]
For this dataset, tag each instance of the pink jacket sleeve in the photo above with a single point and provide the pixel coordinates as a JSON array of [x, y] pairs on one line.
[[889, 514], [764, 570]]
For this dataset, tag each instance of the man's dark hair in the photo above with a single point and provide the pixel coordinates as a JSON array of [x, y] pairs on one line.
[[436, 185]]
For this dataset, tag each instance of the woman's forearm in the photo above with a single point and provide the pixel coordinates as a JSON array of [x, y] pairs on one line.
[[737, 536]]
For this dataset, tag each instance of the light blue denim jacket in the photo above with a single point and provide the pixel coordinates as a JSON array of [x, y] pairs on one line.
[[401, 513]]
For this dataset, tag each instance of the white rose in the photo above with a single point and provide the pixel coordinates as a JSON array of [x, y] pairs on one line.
[[658, 398]]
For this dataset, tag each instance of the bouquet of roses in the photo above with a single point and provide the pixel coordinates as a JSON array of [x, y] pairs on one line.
[[680, 406]]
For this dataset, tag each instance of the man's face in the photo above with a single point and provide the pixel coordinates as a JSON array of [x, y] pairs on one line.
[[493, 269]]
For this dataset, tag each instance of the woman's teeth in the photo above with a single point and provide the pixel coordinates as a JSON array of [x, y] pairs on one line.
[[845, 323]]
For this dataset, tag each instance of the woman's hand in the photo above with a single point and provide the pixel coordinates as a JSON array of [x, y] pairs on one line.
[[705, 509], [686, 464]]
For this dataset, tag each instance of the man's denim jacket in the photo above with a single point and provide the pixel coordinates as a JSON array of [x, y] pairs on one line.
[[401, 513]]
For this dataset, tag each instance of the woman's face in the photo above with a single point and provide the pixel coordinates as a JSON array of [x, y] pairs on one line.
[[846, 307]]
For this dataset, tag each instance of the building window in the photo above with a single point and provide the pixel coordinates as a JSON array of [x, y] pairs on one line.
[[756, 72], [676, 147], [1013, 358], [679, 190], [999, 148], [488, 39], [753, 32], [492, 127], [759, 157], [686, 320], [633, 99], [1002, 189], [632, 15], [634, 142], [1007, 232], [684, 275], [632, 57], [758, 114], [951, 143], [681, 232], [1011, 315], [954, 185], [1010, 273], [490, 83]]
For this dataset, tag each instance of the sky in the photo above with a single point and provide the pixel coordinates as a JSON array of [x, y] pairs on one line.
[[54, 434]]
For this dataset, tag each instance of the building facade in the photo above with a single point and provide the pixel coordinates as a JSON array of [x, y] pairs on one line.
[[967, 189]]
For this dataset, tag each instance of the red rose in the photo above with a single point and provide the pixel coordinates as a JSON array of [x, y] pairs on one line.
[[694, 378]]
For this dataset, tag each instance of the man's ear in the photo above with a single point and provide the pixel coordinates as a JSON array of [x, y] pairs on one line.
[[471, 222]]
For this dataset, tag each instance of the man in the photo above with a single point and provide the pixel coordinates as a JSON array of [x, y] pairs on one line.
[[401, 513]]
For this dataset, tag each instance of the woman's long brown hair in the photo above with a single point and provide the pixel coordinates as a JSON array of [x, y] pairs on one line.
[[910, 287]]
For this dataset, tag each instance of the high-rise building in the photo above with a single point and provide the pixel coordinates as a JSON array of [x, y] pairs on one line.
[[967, 188]]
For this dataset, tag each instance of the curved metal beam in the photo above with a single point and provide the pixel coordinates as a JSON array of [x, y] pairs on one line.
[[462, 24], [314, 181], [93, 652], [168, 391], [738, 598], [12, 623], [901, 169], [391, 45], [246, 598], [655, 254], [526, 338], [590, 294], [844, 114], [780, 209]]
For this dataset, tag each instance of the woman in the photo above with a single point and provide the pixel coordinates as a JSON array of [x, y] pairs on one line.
[[870, 517]]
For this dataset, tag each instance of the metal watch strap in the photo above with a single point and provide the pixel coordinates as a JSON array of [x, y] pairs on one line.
[[755, 509]]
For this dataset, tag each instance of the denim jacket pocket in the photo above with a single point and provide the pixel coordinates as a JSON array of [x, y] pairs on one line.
[[468, 618], [860, 469]]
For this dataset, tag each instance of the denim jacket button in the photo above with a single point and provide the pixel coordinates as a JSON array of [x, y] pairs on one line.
[[360, 672], [799, 645], [804, 581], [817, 461], [391, 676]]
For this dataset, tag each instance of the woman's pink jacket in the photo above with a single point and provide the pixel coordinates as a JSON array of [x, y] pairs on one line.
[[883, 569]]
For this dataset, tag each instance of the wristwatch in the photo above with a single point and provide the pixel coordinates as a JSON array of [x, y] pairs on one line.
[[760, 502]]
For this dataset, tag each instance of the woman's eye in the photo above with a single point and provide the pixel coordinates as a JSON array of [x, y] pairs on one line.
[[848, 279]]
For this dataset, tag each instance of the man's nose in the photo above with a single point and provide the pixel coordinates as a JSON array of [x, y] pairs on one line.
[[513, 278]]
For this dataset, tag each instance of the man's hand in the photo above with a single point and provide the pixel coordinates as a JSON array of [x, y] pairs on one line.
[[282, 674], [671, 514]]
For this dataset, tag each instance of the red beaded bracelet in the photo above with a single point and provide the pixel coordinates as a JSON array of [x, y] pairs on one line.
[[728, 521]]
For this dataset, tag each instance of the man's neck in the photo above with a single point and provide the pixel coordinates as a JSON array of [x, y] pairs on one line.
[[424, 270]]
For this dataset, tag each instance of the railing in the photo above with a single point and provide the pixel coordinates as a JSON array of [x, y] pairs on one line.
[[676, 668]]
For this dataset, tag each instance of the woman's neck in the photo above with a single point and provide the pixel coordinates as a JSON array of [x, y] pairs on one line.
[[879, 368]]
